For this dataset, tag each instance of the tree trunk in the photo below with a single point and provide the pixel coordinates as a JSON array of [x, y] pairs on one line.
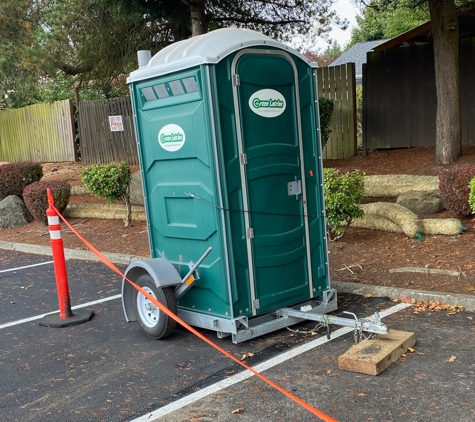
[[445, 32], [198, 21], [128, 207]]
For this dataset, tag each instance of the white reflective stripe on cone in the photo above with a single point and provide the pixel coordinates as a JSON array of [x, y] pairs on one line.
[[53, 220], [55, 234]]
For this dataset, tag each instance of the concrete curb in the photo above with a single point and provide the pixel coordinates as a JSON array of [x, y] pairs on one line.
[[467, 301], [116, 258]]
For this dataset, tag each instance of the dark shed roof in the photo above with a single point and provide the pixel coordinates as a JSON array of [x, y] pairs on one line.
[[357, 54], [423, 34]]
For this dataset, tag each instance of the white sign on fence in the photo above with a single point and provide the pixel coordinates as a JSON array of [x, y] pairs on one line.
[[115, 123]]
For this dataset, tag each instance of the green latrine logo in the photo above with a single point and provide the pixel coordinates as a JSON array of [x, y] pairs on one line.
[[171, 137], [267, 103]]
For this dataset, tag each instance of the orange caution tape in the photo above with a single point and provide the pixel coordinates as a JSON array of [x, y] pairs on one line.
[[163, 308]]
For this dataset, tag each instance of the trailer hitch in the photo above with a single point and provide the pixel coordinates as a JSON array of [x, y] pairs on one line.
[[373, 325]]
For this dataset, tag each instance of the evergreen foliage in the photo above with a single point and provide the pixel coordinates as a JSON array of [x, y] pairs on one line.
[[384, 19], [359, 115], [325, 107], [471, 198], [49, 48]]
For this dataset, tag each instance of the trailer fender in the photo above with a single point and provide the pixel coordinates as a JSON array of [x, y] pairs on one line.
[[162, 272]]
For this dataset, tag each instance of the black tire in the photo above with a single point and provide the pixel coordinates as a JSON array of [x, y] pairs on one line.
[[153, 321]]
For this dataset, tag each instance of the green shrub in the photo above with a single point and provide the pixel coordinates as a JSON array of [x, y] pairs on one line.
[[343, 193], [36, 198], [359, 115], [111, 182], [14, 177], [454, 188], [325, 107], [471, 197]]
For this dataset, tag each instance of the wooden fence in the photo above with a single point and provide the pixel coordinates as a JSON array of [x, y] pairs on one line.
[[46, 132], [98, 142], [38, 133], [399, 97], [338, 83]]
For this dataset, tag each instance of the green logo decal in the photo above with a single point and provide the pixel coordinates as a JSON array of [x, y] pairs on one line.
[[270, 103], [171, 137], [267, 103]]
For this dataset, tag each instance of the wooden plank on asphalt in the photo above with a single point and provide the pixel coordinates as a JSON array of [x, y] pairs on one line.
[[371, 357]]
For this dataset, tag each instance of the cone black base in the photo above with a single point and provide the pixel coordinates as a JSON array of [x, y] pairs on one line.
[[54, 321]]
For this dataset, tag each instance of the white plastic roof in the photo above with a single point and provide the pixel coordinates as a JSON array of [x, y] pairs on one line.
[[209, 48]]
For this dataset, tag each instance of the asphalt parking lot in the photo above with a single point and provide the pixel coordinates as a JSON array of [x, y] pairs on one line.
[[108, 370]]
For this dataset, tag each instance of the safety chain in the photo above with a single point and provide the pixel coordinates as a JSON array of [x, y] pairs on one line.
[[358, 333]]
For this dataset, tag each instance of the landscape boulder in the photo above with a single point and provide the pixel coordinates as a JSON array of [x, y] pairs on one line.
[[136, 190], [421, 203], [13, 213]]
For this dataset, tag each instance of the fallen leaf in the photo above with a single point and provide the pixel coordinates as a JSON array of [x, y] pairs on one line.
[[427, 305], [362, 394], [451, 359], [368, 295], [247, 355], [411, 349], [239, 410]]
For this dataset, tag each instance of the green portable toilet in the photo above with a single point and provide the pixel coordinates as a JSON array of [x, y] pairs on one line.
[[228, 137]]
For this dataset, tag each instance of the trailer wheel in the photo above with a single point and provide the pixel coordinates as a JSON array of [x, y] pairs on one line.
[[153, 321]]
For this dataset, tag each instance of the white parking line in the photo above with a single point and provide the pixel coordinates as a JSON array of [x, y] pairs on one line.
[[22, 321], [221, 385], [26, 266]]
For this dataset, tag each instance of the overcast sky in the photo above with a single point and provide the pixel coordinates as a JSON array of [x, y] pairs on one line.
[[346, 9]]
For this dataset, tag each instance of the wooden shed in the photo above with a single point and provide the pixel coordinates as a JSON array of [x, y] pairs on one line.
[[399, 94]]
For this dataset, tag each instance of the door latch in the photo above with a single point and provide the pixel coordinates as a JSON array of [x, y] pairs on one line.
[[294, 187]]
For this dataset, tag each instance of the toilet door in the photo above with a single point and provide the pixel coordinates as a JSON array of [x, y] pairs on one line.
[[272, 175]]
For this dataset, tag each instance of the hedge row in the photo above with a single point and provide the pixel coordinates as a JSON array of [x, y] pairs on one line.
[[23, 180]]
